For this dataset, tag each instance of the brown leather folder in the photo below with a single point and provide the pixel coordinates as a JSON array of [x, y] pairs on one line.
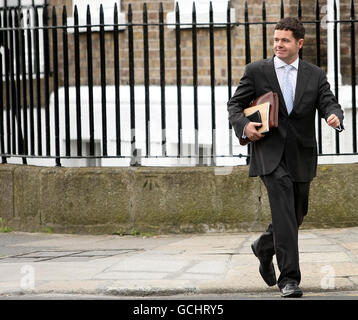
[[264, 108]]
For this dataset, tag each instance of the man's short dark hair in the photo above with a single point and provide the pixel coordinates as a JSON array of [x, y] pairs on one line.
[[293, 24]]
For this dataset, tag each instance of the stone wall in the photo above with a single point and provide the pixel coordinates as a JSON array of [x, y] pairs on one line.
[[161, 200]]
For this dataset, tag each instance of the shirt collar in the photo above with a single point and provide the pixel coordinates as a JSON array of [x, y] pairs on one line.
[[279, 63]]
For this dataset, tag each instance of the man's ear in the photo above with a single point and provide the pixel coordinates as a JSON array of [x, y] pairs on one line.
[[300, 43]]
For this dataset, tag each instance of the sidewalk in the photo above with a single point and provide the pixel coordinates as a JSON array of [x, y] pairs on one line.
[[168, 264]]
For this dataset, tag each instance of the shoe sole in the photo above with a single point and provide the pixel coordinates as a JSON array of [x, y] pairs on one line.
[[295, 294], [270, 284]]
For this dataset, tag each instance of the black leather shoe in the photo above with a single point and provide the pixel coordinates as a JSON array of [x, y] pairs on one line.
[[266, 269], [291, 290]]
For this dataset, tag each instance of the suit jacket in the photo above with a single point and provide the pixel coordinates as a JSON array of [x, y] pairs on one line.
[[295, 137]]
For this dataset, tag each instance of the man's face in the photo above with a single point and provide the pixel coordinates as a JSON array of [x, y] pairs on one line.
[[285, 46]]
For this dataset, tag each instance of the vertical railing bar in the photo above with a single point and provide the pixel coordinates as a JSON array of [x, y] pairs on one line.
[[2, 141], [247, 35], [336, 84], [282, 10], [31, 85], [103, 81], [90, 81], [55, 86], [264, 31], [4, 42], [117, 80], [16, 85], [46, 79], [195, 81], [24, 90], [66, 82], [318, 57], [131, 86], [299, 16], [13, 86], [20, 140], [77, 82], [162, 79], [7, 83], [299, 10], [146, 80], [353, 79], [178, 73], [212, 84], [248, 55], [38, 82], [229, 69]]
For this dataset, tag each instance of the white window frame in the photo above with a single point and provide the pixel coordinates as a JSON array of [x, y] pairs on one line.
[[24, 6], [21, 3], [202, 13], [108, 10]]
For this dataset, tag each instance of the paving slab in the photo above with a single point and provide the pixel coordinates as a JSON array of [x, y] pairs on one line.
[[168, 264]]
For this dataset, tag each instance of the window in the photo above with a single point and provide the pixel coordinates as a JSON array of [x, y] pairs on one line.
[[108, 11], [25, 7], [202, 12], [20, 3]]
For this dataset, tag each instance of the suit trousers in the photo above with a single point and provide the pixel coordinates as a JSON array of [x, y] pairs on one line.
[[289, 204]]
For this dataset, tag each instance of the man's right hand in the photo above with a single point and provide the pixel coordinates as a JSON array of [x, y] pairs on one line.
[[251, 131]]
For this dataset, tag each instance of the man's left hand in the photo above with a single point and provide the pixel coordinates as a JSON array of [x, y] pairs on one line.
[[333, 121]]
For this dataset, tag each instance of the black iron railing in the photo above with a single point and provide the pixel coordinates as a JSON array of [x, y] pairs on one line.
[[30, 62]]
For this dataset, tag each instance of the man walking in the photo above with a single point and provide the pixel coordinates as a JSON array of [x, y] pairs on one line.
[[286, 157]]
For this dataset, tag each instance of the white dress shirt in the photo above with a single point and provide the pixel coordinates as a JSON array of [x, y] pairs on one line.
[[280, 70]]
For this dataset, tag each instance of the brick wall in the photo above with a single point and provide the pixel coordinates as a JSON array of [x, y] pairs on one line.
[[346, 40], [238, 43]]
